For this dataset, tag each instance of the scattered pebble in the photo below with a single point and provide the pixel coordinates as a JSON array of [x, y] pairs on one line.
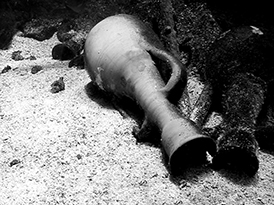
[[6, 69], [143, 182], [35, 69], [58, 85], [16, 55], [31, 58], [179, 202], [79, 156], [14, 162]]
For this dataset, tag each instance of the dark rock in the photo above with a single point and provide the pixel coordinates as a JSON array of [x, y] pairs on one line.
[[41, 29], [62, 52], [73, 33], [6, 69], [16, 55], [35, 69], [7, 28], [66, 30], [76, 44], [58, 85], [35, 18]]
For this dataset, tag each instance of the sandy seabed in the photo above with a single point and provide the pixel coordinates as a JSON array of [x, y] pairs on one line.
[[66, 148]]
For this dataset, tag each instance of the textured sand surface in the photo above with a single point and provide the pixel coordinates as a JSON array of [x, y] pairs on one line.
[[67, 148]]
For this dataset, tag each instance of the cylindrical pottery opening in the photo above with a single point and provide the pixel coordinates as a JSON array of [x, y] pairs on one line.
[[238, 150], [184, 144]]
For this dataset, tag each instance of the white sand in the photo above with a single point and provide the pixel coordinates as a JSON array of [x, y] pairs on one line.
[[73, 150]]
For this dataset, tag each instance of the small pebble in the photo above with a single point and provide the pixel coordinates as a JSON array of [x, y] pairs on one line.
[[58, 85], [35, 69], [179, 202], [143, 182], [6, 69], [14, 162], [16, 55], [32, 58]]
